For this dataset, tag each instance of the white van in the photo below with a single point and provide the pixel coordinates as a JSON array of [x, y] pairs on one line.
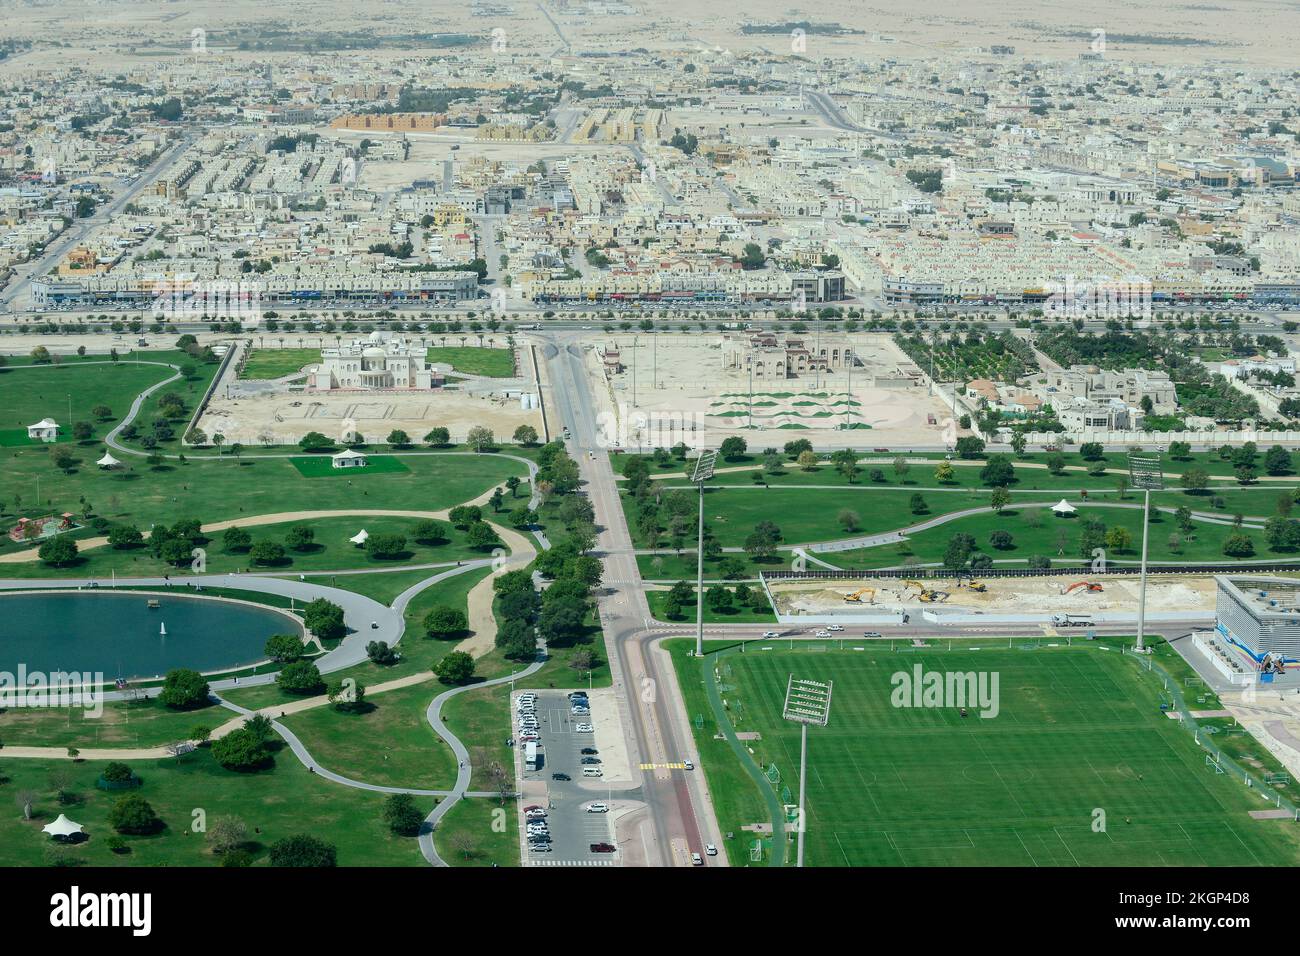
[[592, 772]]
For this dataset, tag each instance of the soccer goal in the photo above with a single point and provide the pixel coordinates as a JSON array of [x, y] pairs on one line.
[[1213, 762]]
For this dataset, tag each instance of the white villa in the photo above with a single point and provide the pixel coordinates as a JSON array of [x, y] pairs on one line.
[[349, 458], [374, 362], [47, 429]]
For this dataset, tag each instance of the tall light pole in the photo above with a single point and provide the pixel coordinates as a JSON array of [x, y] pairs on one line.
[[806, 702], [702, 473], [1144, 472]]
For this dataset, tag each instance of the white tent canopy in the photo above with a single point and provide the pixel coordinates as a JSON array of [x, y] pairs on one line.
[[62, 827], [1063, 507], [360, 537], [108, 461]]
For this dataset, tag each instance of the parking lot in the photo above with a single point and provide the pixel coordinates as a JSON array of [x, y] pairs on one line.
[[569, 829]]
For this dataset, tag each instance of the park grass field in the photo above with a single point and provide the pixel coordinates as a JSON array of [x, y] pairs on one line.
[[323, 467], [32, 393], [479, 831], [274, 803], [219, 488], [472, 360], [265, 364], [330, 551], [1079, 730]]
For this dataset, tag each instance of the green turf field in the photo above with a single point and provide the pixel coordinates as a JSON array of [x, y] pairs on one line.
[[1078, 730], [30, 394], [275, 363], [323, 467], [494, 363]]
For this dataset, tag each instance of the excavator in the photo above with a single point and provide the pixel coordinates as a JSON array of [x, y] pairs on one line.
[[1092, 587], [856, 596], [926, 595]]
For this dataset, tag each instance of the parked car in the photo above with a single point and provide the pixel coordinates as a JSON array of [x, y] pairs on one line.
[[539, 848], [591, 760], [589, 750], [583, 728]]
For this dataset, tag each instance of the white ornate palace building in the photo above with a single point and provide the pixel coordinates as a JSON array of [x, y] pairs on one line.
[[373, 363]]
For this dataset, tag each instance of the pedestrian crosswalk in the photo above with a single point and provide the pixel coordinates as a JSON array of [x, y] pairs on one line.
[[663, 766], [571, 863]]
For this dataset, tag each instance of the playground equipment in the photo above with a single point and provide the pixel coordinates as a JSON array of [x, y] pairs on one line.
[[856, 596], [1092, 587]]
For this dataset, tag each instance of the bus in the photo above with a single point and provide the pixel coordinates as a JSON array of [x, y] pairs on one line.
[[530, 755]]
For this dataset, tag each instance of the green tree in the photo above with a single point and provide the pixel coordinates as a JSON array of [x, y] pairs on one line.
[[241, 750], [283, 648], [303, 850], [133, 814], [455, 668], [402, 816], [184, 689], [443, 621], [300, 677]]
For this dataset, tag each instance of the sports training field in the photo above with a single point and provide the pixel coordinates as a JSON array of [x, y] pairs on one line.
[[1079, 730]]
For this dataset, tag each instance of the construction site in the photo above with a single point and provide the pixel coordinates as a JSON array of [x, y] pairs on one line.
[[877, 399], [882, 600]]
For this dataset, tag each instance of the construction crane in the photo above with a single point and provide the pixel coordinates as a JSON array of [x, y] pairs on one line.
[[857, 595]]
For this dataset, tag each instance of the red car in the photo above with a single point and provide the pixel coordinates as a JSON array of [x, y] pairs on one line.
[[603, 848]]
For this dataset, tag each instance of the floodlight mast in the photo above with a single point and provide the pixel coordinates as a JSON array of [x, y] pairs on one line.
[[702, 473], [806, 702], [1144, 472]]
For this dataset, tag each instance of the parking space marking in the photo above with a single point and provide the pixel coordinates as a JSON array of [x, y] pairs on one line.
[[571, 863]]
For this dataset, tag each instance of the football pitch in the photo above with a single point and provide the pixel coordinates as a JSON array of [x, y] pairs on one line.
[[1078, 768]]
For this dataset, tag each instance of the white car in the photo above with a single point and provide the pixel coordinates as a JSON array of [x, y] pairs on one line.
[[835, 627], [696, 860], [597, 808], [770, 634], [710, 849], [823, 633], [688, 764], [583, 729]]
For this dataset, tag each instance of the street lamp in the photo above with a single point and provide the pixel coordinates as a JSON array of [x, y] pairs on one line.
[[1144, 472], [702, 473], [806, 702]]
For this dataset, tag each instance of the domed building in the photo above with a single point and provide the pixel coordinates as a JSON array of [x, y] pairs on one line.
[[375, 362]]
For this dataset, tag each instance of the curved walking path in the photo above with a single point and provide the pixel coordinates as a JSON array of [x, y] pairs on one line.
[[464, 770]]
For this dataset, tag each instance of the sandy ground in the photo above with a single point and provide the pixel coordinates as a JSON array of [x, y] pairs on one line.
[[286, 416], [1017, 595], [676, 387]]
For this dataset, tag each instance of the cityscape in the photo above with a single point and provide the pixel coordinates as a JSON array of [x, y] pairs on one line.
[[600, 433]]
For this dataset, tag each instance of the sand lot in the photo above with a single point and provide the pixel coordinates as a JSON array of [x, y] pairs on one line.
[[676, 387], [1192, 593]]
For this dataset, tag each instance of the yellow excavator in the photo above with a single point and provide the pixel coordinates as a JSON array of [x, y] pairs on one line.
[[926, 595], [856, 596]]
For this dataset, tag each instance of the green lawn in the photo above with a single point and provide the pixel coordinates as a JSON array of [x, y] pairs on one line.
[[322, 466], [217, 488], [1038, 532], [143, 723], [1078, 730], [279, 802], [494, 363], [330, 551], [736, 615], [390, 744], [276, 363], [479, 831], [30, 394]]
